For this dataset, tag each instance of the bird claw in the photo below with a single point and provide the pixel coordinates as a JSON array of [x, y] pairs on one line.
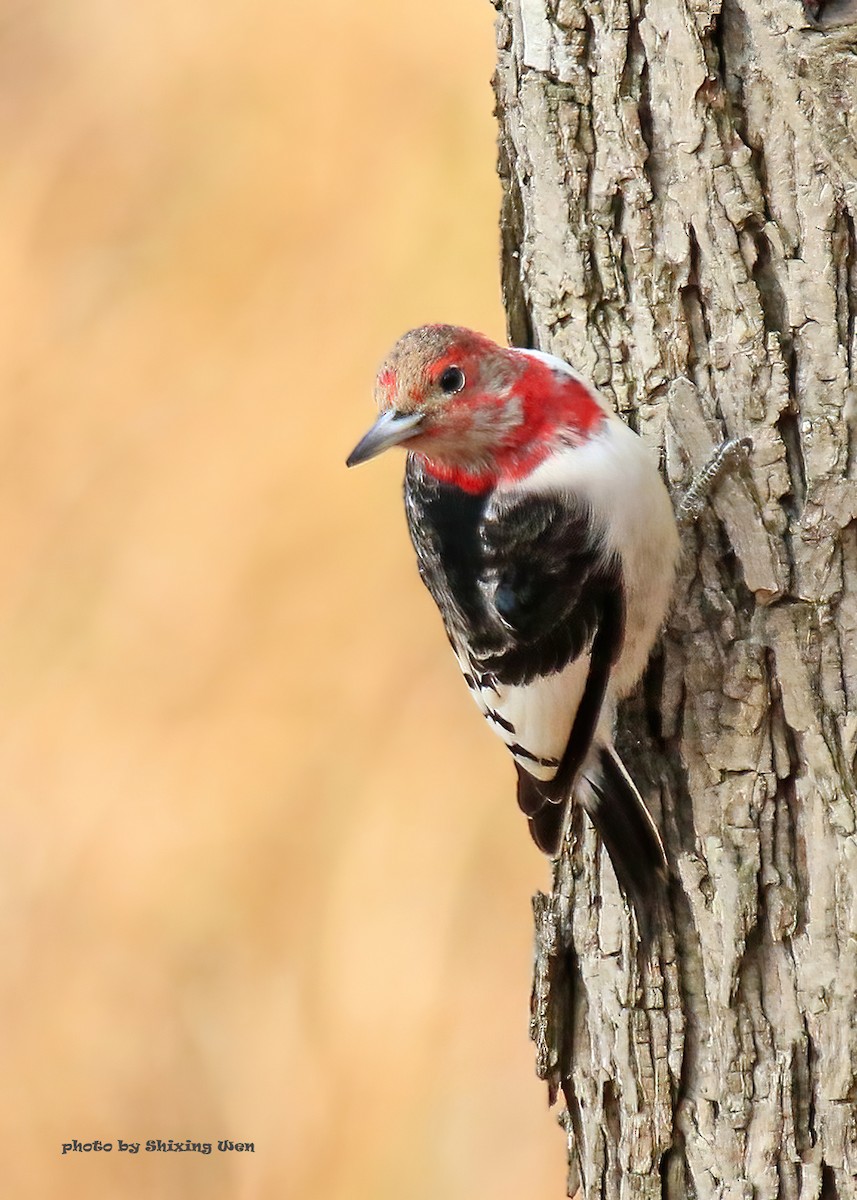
[[725, 458]]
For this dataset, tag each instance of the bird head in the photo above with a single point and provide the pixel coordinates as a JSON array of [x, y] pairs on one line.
[[475, 412]]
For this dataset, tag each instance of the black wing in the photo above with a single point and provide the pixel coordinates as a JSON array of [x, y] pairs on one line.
[[520, 581], [524, 590]]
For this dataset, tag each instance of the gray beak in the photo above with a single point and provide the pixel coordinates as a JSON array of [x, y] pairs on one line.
[[390, 429]]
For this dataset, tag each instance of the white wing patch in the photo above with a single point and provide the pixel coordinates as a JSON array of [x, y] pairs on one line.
[[533, 719]]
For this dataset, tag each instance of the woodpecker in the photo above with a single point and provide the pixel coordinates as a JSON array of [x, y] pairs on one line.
[[547, 539]]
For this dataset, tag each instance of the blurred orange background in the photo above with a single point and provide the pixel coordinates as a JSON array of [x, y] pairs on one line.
[[263, 877]]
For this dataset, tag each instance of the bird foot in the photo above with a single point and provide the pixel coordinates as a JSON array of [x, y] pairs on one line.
[[725, 458]]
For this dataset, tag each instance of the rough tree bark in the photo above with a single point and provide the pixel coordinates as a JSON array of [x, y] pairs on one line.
[[679, 223]]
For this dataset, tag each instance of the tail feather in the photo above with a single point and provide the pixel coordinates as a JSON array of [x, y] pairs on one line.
[[625, 825], [547, 827], [629, 834], [546, 816]]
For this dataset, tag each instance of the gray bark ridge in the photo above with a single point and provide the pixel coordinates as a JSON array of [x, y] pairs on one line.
[[679, 224]]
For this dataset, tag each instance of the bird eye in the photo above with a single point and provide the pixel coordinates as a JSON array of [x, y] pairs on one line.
[[451, 381]]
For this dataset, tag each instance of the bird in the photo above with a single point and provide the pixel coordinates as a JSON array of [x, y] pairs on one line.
[[546, 537]]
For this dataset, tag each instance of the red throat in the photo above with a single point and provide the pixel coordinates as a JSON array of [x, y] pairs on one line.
[[556, 410]]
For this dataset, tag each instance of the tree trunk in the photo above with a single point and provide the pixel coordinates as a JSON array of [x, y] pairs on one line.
[[679, 208]]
